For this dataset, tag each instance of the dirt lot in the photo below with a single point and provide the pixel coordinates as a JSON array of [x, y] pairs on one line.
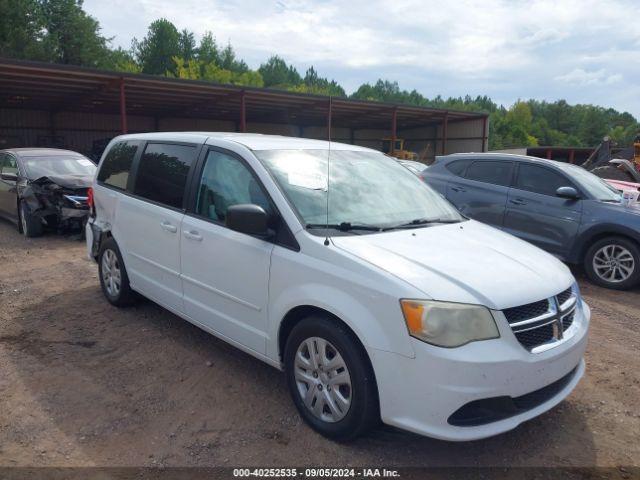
[[83, 383]]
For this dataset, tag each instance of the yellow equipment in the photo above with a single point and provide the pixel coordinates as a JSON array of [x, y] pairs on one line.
[[398, 151]]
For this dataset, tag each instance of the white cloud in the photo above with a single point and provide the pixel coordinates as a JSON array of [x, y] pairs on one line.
[[504, 48], [578, 76]]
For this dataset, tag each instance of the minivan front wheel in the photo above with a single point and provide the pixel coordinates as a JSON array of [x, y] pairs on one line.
[[113, 276], [330, 378], [613, 262]]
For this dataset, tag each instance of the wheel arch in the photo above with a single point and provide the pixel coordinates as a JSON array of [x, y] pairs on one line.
[[596, 234]]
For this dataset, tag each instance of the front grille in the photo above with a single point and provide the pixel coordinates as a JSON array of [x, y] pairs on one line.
[[542, 322], [525, 312], [564, 296]]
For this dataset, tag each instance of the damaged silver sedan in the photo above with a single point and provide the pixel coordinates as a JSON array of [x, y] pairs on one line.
[[45, 188]]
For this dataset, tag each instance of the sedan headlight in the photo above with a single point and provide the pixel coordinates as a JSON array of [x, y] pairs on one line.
[[448, 324]]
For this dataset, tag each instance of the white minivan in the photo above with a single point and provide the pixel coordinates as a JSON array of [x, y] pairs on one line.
[[339, 266]]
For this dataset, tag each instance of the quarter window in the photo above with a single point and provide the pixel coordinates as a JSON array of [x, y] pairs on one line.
[[496, 173], [534, 178], [162, 173], [117, 165], [226, 181]]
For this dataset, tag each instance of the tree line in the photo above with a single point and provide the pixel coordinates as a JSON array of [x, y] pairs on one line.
[[60, 31]]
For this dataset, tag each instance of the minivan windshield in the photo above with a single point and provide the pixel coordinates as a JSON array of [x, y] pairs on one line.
[[367, 190], [593, 184], [38, 167]]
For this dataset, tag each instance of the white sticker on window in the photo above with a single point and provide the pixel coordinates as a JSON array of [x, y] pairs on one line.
[[312, 181]]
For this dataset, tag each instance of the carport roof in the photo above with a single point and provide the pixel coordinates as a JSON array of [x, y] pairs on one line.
[[57, 88]]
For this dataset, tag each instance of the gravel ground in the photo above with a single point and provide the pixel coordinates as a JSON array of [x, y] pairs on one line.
[[83, 383]]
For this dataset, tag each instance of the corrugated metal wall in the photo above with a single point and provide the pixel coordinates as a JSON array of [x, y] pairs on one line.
[[88, 133]]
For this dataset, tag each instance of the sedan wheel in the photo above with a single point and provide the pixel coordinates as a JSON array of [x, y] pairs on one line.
[[323, 379]]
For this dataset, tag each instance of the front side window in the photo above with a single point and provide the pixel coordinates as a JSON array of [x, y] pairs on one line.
[[162, 173], [496, 173], [545, 181], [226, 181], [365, 188], [8, 164], [116, 166]]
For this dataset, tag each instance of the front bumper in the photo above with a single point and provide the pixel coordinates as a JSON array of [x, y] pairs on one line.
[[420, 394]]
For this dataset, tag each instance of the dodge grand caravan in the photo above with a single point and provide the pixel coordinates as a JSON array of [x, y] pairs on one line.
[[373, 294]]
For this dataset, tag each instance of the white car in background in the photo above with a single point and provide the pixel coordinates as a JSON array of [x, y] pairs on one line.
[[372, 293]]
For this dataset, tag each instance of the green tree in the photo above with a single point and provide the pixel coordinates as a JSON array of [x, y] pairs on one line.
[[208, 49], [21, 29], [156, 50], [72, 36], [276, 73], [187, 44]]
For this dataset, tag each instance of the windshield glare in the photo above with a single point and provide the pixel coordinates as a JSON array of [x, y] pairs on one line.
[[366, 188], [59, 165], [593, 184]]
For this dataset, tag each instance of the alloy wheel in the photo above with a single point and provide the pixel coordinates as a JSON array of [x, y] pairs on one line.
[[323, 379], [613, 263], [111, 275], [23, 219]]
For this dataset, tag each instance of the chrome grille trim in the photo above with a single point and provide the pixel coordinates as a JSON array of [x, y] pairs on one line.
[[546, 330]]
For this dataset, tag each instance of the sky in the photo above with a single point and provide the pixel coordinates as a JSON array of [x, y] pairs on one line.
[[583, 51]]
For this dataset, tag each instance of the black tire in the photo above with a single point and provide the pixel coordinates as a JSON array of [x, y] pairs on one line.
[[122, 296], [617, 243], [363, 412], [28, 225], [612, 173]]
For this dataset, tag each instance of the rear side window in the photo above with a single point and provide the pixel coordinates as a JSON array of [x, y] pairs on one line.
[[458, 167], [545, 181], [117, 165], [496, 173], [162, 173]]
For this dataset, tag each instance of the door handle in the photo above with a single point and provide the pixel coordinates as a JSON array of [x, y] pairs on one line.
[[518, 201], [458, 189], [192, 235], [168, 227]]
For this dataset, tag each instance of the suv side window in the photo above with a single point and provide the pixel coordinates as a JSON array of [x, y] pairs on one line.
[[495, 172], [162, 173], [226, 181], [458, 167], [117, 165], [537, 179]]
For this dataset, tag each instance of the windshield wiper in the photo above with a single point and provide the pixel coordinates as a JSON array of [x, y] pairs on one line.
[[345, 226], [418, 222]]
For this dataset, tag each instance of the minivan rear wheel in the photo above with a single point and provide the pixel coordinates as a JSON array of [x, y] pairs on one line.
[[113, 275], [613, 262], [330, 378]]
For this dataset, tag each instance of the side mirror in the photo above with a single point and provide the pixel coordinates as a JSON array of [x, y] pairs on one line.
[[248, 218], [568, 193], [9, 177]]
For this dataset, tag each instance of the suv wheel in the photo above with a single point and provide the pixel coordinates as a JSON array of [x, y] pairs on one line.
[[330, 378], [613, 262], [30, 226], [113, 276]]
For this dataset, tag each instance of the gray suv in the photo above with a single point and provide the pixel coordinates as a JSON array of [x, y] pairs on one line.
[[559, 207]]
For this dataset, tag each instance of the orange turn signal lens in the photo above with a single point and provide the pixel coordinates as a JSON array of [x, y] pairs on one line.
[[413, 312]]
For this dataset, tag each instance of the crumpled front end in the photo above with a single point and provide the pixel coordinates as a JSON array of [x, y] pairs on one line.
[[62, 207]]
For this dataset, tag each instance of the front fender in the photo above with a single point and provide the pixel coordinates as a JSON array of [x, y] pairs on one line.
[[587, 237]]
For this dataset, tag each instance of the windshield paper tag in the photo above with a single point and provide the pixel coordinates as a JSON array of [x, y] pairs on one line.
[[312, 181]]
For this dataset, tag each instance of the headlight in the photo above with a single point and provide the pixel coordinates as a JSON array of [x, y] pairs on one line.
[[448, 324]]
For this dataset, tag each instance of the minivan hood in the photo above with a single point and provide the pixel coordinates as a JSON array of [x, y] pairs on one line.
[[466, 262]]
